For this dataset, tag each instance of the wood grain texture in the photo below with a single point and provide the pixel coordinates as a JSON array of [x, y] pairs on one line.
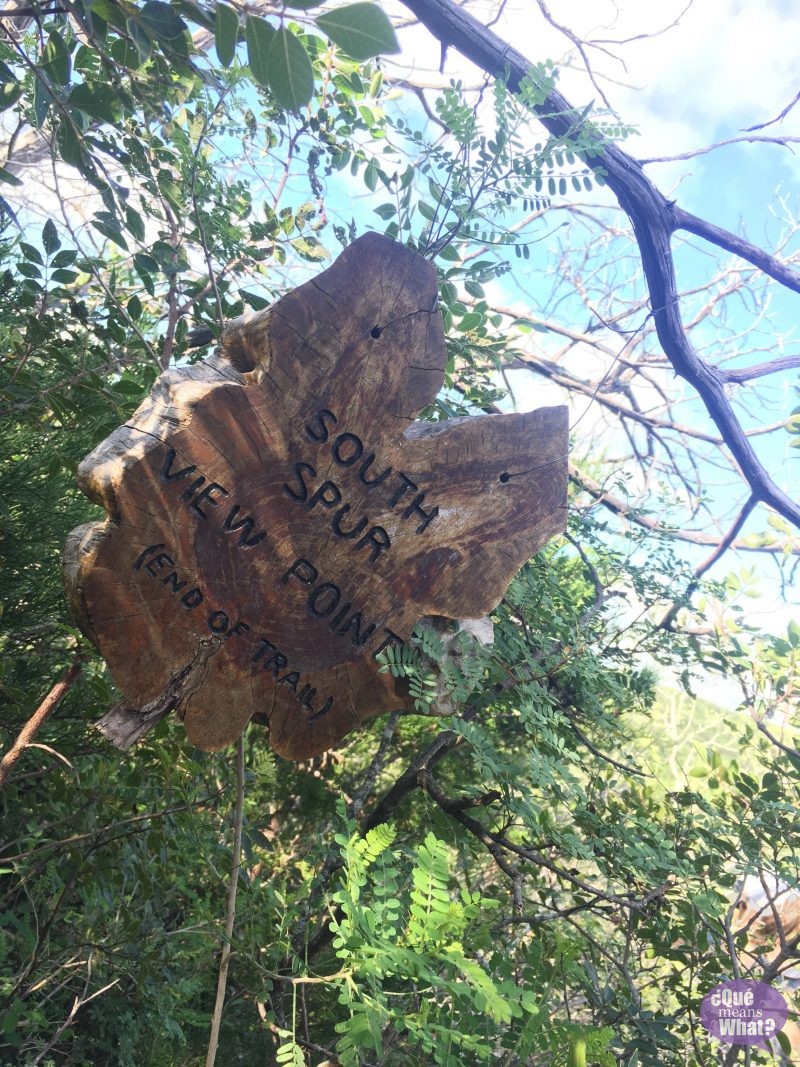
[[279, 499]]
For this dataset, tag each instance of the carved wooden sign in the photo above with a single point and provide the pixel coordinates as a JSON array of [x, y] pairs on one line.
[[275, 517]]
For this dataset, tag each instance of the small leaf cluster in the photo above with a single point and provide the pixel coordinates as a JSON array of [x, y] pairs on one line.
[[279, 57]]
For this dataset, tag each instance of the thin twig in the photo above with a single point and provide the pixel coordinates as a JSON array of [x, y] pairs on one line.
[[726, 542], [32, 726], [77, 1004], [230, 917], [66, 842], [628, 512], [497, 844], [602, 755], [785, 141], [581, 46], [778, 118], [779, 744]]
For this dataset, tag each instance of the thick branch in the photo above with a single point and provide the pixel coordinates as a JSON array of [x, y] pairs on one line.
[[744, 249], [124, 725], [739, 375], [793, 752], [654, 219]]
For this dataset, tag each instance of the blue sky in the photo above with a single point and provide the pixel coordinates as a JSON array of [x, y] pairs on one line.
[[723, 67]]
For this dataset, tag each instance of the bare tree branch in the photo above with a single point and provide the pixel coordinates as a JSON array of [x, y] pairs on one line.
[[739, 375], [695, 537], [778, 118], [654, 219], [39, 717], [579, 44], [708, 563], [755, 139], [683, 220]]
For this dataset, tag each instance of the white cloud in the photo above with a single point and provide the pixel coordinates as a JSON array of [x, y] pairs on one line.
[[727, 64]]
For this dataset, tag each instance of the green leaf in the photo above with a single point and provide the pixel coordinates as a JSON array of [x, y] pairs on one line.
[[95, 100], [69, 144], [42, 98], [170, 260], [6, 209], [6, 73], [11, 1017], [65, 258], [127, 388], [371, 176], [291, 77], [162, 21], [576, 1056], [126, 54], [145, 267], [134, 223], [310, 248], [471, 321], [361, 30], [226, 33], [111, 232], [195, 13], [10, 92], [56, 61], [145, 264], [784, 1042], [258, 34], [63, 277], [31, 253], [144, 46], [170, 189], [109, 11], [50, 241], [9, 178], [253, 300]]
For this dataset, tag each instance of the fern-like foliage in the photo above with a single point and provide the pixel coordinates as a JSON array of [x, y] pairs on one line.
[[405, 661], [447, 673], [404, 921], [432, 917]]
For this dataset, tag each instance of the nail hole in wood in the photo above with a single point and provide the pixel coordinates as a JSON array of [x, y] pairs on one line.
[[505, 477], [375, 332]]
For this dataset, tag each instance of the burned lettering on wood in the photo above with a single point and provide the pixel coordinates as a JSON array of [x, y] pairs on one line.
[[280, 500]]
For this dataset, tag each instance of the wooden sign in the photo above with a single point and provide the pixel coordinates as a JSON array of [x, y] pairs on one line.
[[276, 517]]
